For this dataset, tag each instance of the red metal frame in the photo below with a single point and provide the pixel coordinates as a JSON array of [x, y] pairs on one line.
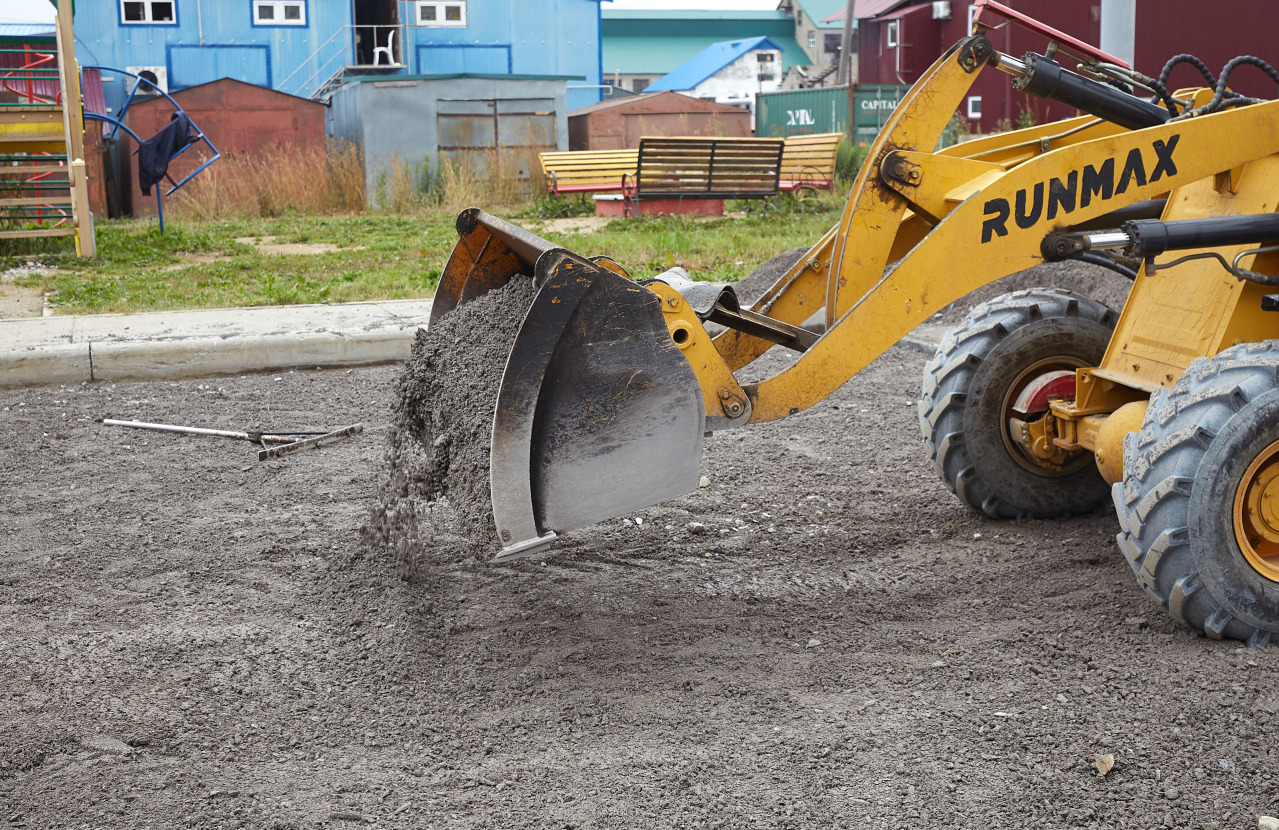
[[1078, 46]]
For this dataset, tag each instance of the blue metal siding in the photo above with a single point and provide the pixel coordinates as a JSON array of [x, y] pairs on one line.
[[522, 37], [450, 60], [192, 65], [545, 37]]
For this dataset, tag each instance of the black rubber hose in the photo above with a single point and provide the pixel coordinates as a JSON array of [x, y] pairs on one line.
[[1220, 95], [1172, 63], [1106, 262], [1162, 93]]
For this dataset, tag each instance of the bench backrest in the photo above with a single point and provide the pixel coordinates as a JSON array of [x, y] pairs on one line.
[[578, 170], [727, 168], [813, 155]]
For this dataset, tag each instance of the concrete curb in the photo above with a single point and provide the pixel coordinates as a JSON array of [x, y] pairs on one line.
[[190, 344], [44, 365], [208, 356], [920, 345]]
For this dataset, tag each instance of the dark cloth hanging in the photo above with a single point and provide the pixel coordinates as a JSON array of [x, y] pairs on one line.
[[155, 153]]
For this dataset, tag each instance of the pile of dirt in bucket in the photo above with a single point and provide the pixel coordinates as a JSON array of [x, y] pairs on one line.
[[435, 486]]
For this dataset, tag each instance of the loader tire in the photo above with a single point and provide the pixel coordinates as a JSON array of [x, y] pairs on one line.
[[1197, 512], [979, 369]]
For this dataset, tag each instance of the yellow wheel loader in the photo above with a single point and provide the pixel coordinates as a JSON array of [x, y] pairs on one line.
[[1041, 405]]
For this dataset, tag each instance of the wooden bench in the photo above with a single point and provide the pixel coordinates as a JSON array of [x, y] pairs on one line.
[[707, 168], [587, 171], [808, 162], [693, 175]]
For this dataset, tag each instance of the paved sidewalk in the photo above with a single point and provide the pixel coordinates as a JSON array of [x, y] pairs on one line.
[[167, 345]]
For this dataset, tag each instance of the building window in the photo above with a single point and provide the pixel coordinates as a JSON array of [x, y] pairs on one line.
[[148, 11], [892, 33], [640, 84], [974, 107], [812, 39], [769, 77], [831, 43], [279, 12], [440, 13], [764, 57], [972, 18]]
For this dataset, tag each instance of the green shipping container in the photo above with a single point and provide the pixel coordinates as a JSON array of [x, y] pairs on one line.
[[801, 112], [873, 104], [825, 110]]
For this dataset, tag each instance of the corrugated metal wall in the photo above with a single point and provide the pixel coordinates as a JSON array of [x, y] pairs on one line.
[[621, 125], [238, 118], [474, 122], [802, 112]]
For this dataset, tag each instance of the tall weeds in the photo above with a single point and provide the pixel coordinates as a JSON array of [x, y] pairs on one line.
[[283, 177], [487, 176]]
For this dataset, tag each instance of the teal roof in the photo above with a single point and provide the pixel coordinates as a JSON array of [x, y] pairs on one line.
[[710, 25], [661, 55], [819, 10], [709, 61]]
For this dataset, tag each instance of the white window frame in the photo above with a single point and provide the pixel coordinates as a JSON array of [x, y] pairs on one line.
[[812, 40], [972, 17], [974, 107], [277, 9], [148, 12], [893, 33], [441, 10]]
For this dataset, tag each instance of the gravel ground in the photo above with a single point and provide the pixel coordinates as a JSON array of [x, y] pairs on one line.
[[821, 637]]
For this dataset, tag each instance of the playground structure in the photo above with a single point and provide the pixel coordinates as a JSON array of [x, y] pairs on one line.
[[191, 134], [44, 185]]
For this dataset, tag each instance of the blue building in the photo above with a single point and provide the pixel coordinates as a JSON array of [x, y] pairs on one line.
[[307, 47]]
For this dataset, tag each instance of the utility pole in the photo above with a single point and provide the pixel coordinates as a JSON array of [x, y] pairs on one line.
[[844, 76]]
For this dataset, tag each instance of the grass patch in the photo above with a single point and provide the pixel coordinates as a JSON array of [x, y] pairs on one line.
[[197, 263], [720, 249]]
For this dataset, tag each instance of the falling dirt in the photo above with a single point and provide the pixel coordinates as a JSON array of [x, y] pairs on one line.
[[435, 487], [820, 637]]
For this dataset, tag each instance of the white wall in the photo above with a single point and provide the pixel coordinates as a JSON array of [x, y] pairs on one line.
[[739, 82]]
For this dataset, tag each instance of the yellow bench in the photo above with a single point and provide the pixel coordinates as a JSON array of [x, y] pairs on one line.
[[587, 171], [808, 161]]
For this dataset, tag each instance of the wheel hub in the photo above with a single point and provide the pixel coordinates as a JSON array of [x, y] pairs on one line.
[[1256, 513], [1029, 428]]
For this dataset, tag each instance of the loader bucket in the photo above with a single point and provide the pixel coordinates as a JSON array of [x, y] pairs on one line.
[[599, 413]]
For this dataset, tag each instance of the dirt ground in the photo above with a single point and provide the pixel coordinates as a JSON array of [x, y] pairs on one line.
[[18, 300], [821, 637]]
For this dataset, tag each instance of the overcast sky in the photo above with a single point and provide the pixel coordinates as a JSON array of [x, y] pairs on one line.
[[26, 11]]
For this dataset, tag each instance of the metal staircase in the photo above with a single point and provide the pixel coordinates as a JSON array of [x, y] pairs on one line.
[[335, 61], [43, 181]]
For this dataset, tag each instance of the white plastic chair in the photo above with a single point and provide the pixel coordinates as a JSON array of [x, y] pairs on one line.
[[388, 50]]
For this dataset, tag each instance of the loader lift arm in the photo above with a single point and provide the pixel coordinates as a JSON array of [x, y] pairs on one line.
[[992, 222], [610, 383]]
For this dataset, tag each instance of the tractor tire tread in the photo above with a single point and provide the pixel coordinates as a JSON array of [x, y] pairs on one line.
[[950, 373], [1160, 465]]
